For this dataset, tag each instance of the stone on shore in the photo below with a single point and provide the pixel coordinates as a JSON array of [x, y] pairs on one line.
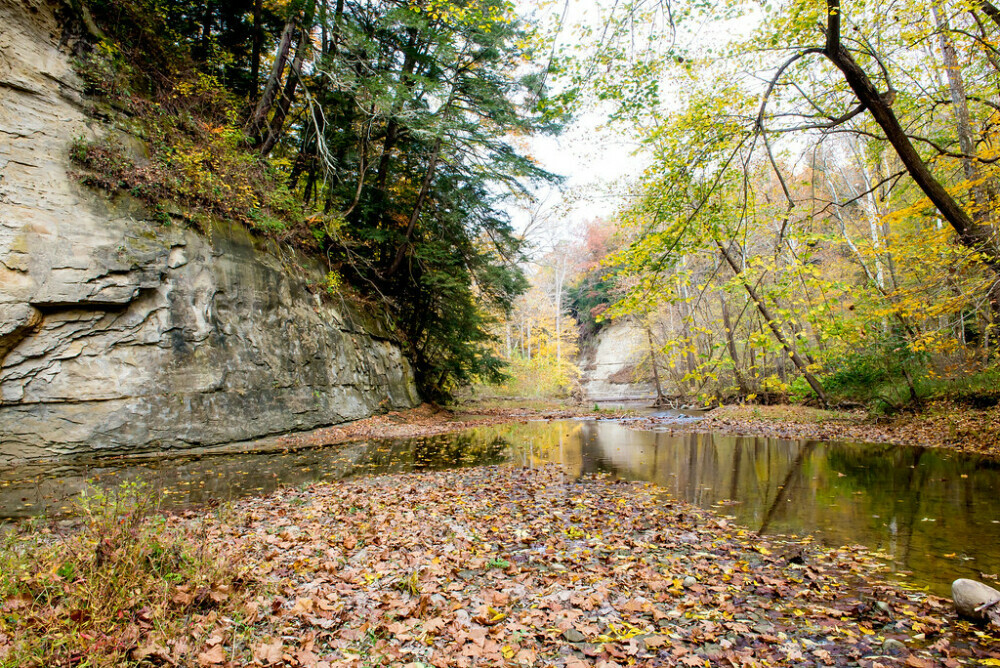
[[970, 597]]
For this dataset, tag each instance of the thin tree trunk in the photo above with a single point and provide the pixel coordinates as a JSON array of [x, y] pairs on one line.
[[661, 399], [960, 109], [277, 123], [772, 323], [201, 51], [258, 42], [255, 126], [731, 346], [418, 205], [392, 127], [686, 318]]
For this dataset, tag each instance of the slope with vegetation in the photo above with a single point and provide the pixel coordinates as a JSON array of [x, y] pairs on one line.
[[374, 135]]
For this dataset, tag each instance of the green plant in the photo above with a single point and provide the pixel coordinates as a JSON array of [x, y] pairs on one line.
[[92, 596], [498, 562], [409, 584], [333, 282]]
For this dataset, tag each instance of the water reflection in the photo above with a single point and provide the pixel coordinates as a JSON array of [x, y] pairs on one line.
[[931, 512], [191, 480]]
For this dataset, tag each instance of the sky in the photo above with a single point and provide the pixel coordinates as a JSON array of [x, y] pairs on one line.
[[599, 164], [596, 162]]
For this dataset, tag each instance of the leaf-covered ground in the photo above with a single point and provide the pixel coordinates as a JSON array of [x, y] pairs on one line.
[[941, 424], [495, 566]]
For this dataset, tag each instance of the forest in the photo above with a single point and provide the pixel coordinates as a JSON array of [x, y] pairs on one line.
[[817, 218], [304, 305]]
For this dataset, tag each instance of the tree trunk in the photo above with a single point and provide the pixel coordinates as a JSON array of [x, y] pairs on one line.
[[731, 346], [976, 237], [201, 51], [687, 317], [417, 206], [255, 126], [258, 42], [991, 11], [277, 123], [960, 109], [560, 268], [661, 399], [779, 336], [392, 127]]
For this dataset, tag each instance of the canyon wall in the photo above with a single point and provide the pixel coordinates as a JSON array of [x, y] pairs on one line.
[[121, 333]]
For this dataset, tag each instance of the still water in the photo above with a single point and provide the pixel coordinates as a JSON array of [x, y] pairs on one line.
[[933, 515]]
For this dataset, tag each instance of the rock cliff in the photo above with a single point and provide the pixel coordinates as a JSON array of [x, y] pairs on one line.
[[118, 333], [615, 364]]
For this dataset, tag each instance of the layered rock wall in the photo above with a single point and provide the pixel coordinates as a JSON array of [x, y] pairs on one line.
[[118, 333], [615, 364]]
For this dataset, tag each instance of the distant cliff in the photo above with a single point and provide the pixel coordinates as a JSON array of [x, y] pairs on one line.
[[614, 364], [118, 332]]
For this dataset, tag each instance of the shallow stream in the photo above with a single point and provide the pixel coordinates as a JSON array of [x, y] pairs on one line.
[[933, 515]]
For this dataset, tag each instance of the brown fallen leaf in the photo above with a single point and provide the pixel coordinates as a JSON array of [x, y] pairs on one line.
[[152, 651], [268, 653], [303, 606], [183, 597], [212, 657], [917, 662]]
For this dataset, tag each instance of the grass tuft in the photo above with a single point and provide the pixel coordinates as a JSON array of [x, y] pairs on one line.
[[124, 581]]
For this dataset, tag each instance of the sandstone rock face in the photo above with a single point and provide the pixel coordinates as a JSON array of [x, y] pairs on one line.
[[610, 363], [118, 333]]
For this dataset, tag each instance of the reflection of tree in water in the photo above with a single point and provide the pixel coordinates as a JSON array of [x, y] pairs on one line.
[[912, 502], [595, 460], [790, 483], [927, 503]]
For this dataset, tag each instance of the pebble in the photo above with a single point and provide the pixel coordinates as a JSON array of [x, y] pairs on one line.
[[893, 646], [690, 581]]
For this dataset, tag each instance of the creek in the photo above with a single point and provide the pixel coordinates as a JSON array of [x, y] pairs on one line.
[[931, 514]]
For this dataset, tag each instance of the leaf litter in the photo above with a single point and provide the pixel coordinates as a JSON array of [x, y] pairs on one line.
[[508, 566]]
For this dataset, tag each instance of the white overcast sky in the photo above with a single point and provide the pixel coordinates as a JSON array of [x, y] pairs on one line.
[[596, 162], [599, 163]]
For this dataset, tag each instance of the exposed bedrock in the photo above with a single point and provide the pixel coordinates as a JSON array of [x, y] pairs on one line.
[[118, 333]]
